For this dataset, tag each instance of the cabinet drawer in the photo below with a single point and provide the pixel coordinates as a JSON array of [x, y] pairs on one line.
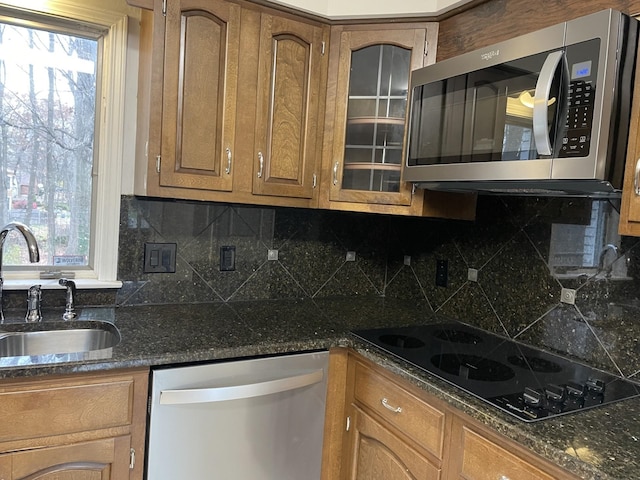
[[418, 420], [48, 408], [485, 460]]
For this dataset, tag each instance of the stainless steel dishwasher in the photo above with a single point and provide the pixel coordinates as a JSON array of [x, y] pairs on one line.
[[258, 419]]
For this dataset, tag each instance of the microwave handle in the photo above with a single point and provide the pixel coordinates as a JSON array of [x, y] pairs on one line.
[[541, 102]]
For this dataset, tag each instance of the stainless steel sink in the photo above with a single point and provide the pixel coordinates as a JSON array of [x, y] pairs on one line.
[[56, 338]]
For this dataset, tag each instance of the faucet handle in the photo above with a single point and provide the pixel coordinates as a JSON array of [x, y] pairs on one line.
[[69, 313], [33, 304]]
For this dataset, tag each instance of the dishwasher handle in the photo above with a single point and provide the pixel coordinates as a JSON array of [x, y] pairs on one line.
[[238, 392]]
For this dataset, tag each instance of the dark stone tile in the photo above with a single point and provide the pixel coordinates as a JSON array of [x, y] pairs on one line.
[[310, 253], [470, 305], [404, 285], [518, 285], [374, 312], [479, 242], [270, 282], [347, 281], [564, 331]]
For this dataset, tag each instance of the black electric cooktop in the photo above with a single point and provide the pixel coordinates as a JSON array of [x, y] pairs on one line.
[[523, 381]]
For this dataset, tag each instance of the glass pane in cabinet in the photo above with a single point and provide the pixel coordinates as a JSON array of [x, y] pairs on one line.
[[376, 111], [372, 180]]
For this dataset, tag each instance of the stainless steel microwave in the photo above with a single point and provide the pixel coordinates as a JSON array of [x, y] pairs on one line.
[[544, 113]]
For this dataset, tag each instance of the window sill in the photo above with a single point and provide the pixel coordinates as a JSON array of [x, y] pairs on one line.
[[51, 284]]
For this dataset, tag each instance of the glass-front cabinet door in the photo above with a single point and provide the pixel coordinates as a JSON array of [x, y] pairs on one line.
[[370, 114]]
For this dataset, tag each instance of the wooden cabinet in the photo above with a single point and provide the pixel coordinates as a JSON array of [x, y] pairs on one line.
[[630, 205], [236, 103], [200, 80], [477, 453], [380, 426], [75, 426], [234, 95], [391, 433], [366, 117], [290, 86]]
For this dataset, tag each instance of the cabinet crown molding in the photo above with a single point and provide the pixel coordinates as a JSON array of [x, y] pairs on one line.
[[356, 9]]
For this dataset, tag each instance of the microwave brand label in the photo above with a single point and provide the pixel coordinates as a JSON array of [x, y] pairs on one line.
[[490, 55]]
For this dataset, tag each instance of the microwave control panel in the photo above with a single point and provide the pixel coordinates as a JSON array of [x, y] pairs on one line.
[[577, 138]]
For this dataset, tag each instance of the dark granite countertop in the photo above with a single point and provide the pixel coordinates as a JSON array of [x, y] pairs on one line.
[[595, 444]]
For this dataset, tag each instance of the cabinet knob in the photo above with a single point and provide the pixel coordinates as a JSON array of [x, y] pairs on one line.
[[335, 172], [636, 178], [385, 404], [261, 162], [228, 169]]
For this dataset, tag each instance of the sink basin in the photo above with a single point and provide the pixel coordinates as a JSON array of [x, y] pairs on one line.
[[56, 338]]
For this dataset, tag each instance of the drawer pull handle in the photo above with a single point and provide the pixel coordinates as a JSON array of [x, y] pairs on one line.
[[503, 477], [636, 178], [385, 404]]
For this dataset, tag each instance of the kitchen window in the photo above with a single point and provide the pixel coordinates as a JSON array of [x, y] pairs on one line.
[[61, 126], [590, 247]]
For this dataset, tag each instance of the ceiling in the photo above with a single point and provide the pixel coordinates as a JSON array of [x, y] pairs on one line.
[[339, 9]]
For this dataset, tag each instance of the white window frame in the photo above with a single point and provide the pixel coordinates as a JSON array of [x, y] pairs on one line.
[[109, 145]]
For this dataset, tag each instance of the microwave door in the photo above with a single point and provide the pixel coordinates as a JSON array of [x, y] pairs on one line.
[[547, 104]]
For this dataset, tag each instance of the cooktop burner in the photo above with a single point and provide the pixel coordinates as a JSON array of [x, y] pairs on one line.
[[523, 381]]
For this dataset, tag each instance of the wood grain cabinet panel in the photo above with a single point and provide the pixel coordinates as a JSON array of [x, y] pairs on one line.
[[630, 205], [99, 460], [360, 61], [75, 427], [201, 41], [288, 105], [378, 454], [415, 418], [479, 454]]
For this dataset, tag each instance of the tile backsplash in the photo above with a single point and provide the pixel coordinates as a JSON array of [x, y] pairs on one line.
[[550, 272]]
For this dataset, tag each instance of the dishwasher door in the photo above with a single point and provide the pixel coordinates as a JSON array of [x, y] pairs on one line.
[[258, 419]]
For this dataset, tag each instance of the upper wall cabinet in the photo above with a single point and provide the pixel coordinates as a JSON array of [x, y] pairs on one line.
[[365, 129], [247, 104], [199, 94], [234, 98], [290, 82], [630, 206]]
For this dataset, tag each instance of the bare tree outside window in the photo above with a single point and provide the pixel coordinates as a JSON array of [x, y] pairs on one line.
[[47, 121]]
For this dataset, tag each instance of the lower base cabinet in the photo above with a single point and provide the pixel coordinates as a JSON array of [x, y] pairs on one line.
[[379, 426], [79, 426]]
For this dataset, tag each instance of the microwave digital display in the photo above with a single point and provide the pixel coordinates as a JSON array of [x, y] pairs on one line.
[[581, 70]]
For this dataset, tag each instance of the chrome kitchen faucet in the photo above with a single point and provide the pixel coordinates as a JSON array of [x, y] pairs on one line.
[[32, 245]]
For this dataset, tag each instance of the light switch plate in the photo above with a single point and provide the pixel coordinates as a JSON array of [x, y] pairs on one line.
[[160, 257]]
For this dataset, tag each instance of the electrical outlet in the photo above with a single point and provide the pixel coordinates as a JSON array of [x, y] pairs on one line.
[[159, 258], [227, 258], [442, 273]]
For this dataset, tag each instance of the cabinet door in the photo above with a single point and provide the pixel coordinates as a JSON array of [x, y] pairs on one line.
[[630, 206], [201, 39], [289, 98], [106, 459], [370, 114], [477, 454], [375, 452]]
